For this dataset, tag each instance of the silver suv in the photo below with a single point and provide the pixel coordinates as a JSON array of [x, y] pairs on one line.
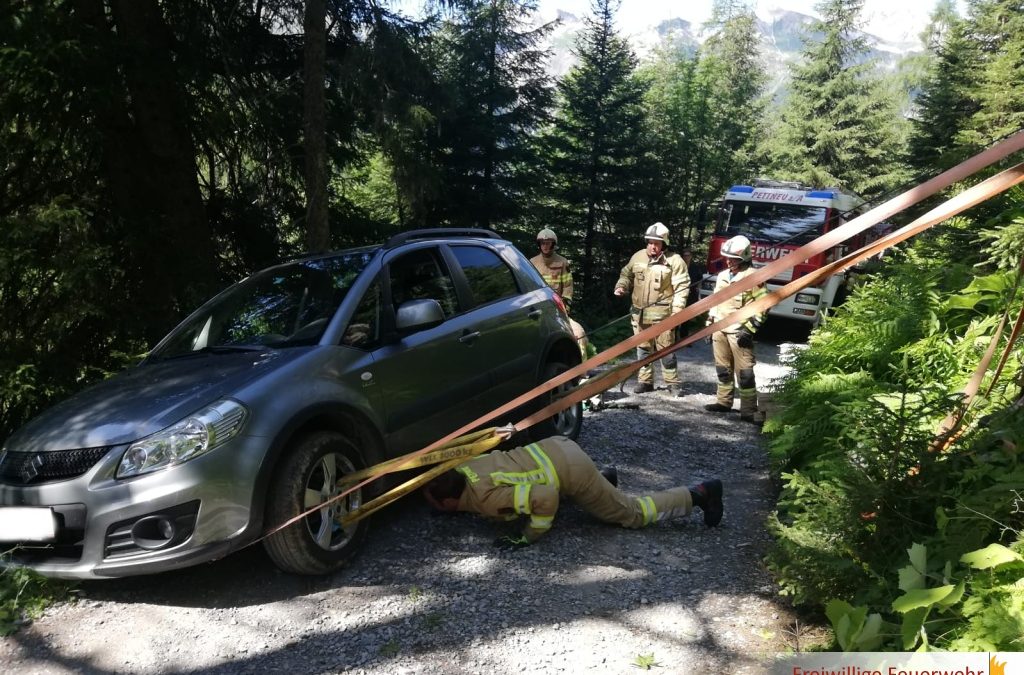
[[251, 409]]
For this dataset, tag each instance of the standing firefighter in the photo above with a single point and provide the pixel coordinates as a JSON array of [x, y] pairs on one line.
[[554, 269], [528, 482], [660, 285], [734, 344]]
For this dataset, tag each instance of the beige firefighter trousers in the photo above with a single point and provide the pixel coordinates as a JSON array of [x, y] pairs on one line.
[[735, 363], [583, 483], [669, 371]]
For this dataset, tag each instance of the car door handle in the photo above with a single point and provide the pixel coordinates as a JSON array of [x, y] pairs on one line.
[[535, 313], [469, 337]]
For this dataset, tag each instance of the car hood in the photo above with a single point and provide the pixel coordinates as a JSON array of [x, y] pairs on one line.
[[145, 399]]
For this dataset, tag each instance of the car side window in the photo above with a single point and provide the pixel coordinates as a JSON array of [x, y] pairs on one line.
[[363, 331], [421, 275], [489, 277]]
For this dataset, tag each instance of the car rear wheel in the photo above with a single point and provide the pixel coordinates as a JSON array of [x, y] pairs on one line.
[[309, 476], [566, 423]]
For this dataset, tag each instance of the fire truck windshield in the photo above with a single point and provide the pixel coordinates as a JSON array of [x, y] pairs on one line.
[[772, 223]]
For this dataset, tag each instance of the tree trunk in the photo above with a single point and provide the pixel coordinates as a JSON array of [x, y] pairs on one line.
[[318, 236], [149, 157]]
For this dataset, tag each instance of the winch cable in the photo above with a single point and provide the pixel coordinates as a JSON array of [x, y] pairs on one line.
[[964, 200]]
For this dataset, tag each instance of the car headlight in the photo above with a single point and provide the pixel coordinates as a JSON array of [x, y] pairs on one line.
[[807, 298], [193, 436]]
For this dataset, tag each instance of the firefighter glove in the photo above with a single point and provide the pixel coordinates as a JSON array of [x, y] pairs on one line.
[[745, 339], [510, 543]]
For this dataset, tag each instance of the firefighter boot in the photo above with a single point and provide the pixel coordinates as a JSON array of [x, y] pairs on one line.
[[708, 497]]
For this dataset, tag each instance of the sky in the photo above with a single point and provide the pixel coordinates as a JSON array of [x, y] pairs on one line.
[[896, 20], [895, 17]]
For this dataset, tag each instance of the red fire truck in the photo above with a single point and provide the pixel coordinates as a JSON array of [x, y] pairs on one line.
[[778, 217]]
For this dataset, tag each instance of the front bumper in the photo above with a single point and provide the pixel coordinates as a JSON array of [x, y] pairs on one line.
[[187, 514]]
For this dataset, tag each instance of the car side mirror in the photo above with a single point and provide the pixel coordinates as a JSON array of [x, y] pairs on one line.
[[414, 315]]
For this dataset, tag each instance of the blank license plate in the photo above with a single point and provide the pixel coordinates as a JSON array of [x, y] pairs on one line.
[[18, 523]]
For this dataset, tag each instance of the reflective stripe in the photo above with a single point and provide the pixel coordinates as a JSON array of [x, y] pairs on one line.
[[468, 473], [545, 463], [541, 522], [650, 511], [643, 508], [521, 500], [519, 477]]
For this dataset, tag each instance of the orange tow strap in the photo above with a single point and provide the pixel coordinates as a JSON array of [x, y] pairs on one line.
[[964, 200]]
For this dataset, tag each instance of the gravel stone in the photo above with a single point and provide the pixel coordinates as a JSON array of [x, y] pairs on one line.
[[587, 598]]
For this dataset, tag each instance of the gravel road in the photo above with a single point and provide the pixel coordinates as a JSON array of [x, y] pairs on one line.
[[430, 594]]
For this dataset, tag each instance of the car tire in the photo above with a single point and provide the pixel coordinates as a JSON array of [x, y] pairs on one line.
[[566, 423], [309, 474]]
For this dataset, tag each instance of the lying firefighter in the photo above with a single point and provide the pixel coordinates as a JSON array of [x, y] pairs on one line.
[[528, 481]]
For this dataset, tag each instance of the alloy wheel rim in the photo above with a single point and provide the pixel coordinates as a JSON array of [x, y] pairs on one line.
[[322, 484]]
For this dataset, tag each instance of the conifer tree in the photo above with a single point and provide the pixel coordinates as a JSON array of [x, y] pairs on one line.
[[838, 126], [997, 30], [596, 151], [496, 95], [945, 103], [705, 116]]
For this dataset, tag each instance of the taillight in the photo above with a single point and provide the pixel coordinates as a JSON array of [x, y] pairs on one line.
[[561, 303]]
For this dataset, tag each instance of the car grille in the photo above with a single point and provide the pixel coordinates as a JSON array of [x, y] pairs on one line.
[[36, 468]]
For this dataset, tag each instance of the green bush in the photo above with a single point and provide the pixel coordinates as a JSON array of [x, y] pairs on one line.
[[863, 483]]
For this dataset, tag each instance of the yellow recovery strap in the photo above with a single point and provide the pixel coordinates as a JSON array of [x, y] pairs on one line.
[[454, 449]]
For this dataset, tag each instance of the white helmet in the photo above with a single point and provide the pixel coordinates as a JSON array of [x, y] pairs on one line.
[[547, 233], [737, 247], [657, 232]]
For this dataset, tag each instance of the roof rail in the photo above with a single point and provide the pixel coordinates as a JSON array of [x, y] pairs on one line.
[[439, 232]]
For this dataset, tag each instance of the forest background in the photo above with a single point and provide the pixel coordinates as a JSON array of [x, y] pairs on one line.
[[156, 150]]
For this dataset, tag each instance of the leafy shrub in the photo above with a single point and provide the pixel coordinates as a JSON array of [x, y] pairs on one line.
[[863, 484]]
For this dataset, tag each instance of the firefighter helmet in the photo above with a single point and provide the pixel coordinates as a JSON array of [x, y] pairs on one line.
[[657, 232], [738, 247], [547, 234]]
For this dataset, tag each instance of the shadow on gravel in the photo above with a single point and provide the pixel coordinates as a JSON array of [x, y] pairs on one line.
[[427, 585]]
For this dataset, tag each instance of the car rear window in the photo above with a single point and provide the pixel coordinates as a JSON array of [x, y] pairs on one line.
[[489, 277]]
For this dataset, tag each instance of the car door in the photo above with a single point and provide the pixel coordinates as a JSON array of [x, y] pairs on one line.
[[431, 380], [511, 335]]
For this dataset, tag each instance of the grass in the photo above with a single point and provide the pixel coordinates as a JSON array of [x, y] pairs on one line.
[[24, 595]]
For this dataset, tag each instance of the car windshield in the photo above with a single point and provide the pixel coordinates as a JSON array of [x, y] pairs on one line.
[[772, 223], [286, 306]]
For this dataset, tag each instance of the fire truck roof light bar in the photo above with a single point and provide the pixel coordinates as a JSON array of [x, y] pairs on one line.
[[821, 194], [741, 188]]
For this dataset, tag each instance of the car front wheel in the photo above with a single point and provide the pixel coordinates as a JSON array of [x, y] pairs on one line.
[[310, 476], [566, 423]]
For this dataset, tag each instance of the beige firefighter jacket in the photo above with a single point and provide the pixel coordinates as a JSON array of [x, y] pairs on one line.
[[556, 273], [509, 484], [659, 287], [527, 482], [725, 278]]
